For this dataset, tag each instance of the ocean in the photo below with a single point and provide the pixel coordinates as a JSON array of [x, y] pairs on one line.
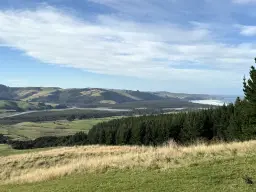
[[220, 102]]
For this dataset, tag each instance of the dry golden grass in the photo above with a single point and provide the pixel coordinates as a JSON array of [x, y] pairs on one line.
[[92, 92], [45, 165]]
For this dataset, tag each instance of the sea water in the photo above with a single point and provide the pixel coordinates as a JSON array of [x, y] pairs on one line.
[[223, 100]]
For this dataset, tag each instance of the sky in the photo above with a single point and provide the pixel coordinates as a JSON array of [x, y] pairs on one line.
[[195, 46]]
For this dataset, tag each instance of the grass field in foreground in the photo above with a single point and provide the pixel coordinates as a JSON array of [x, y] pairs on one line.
[[219, 167], [223, 175], [30, 130]]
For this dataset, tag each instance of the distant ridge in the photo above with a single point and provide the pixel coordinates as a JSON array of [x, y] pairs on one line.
[[96, 97]]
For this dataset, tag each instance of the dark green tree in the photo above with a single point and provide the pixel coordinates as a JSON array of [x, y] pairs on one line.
[[250, 103], [71, 118]]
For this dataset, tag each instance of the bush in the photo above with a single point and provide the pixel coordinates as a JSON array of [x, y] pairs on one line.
[[52, 141], [3, 139]]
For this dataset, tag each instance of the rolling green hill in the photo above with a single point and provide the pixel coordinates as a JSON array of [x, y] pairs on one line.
[[28, 98], [20, 105]]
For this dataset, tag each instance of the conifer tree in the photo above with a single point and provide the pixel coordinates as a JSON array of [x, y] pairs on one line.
[[250, 102], [250, 87]]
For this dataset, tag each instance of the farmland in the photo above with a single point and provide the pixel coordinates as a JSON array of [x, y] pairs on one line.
[[32, 130]]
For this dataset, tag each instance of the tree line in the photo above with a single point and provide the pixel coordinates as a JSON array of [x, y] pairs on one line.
[[79, 138], [223, 123], [227, 123]]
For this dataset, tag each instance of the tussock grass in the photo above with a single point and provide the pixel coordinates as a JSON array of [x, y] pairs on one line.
[[54, 163]]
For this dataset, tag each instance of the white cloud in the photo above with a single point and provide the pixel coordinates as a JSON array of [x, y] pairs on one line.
[[244, 1], [247, 30], [120, 47]]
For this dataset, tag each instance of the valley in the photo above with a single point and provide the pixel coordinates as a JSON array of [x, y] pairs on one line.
[[54, 139], [46, 98], [33, 130]]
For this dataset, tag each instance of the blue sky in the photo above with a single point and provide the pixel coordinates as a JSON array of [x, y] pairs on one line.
[[197, 46]]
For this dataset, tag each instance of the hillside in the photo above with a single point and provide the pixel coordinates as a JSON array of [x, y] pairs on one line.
[[33, 130], [218, 167], [27, 98], [19, 105]]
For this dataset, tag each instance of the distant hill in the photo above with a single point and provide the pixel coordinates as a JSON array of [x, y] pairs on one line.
[[27, 98]]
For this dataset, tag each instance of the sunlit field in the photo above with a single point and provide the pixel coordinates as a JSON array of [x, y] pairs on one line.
[[55, 163]]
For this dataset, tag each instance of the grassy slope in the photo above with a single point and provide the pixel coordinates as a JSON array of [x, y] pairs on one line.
[[24, 105], [24, 97], [7, 104], [223, 175], [92, 93], [124, 93], [212, 168], [83, 95], [29, 130], [6, 150], [27, 94]]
